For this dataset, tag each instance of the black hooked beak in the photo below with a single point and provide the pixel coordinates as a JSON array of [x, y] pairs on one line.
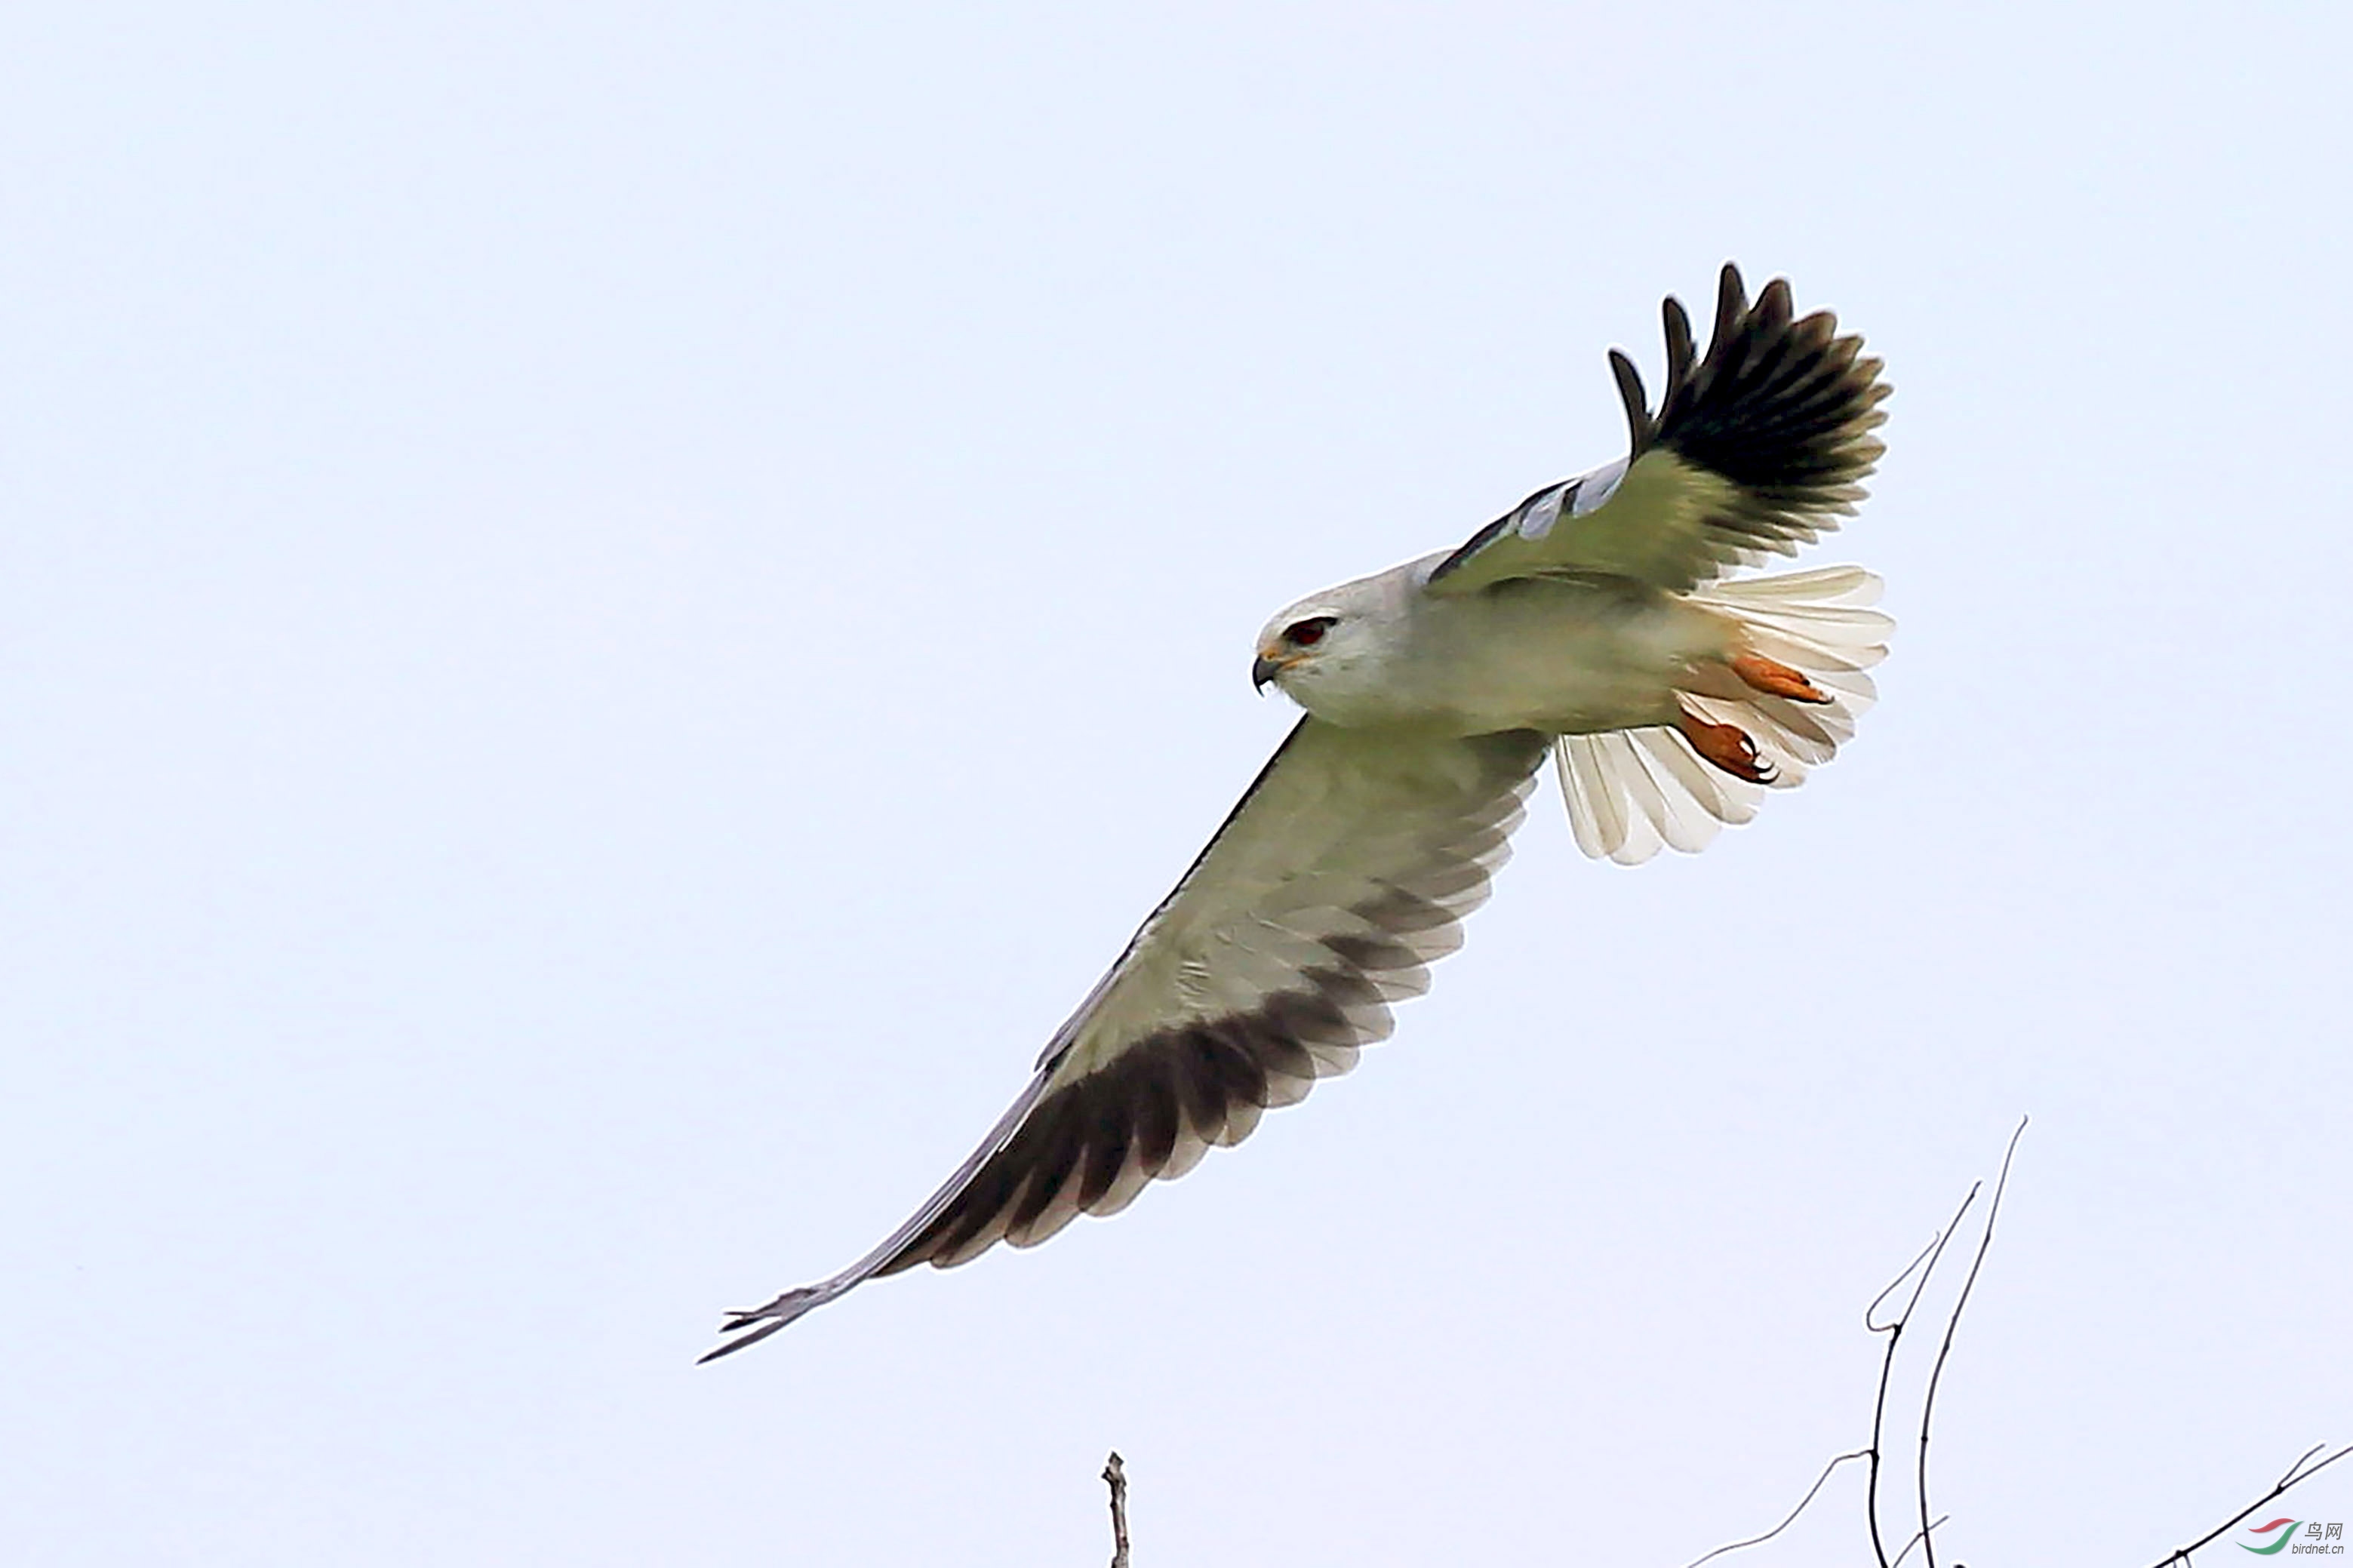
[[1264, 671]]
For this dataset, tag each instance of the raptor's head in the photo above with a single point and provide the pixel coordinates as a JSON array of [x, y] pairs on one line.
[[1289, 641], [1321, 647]]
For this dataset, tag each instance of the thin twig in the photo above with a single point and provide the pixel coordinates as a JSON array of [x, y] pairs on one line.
[[1952, 1323], [1760, 1540], [1115, 1475], [1871, 1311], [2293, 1479], [1926, 1264], [1918, 1537]]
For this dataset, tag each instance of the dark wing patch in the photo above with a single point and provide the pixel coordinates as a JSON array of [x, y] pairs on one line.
[[1782, 407], [1346, 869], [1755, 450]]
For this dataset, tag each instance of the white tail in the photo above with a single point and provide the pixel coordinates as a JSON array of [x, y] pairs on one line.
[[1630, 791]]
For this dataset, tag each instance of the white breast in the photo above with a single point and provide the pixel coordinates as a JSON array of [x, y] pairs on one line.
[[1564, 656]]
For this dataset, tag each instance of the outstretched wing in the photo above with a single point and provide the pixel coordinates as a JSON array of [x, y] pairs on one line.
[[1755, 450], [1346, 868]]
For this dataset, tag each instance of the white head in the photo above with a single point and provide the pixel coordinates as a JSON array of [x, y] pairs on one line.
[[1325, 651]]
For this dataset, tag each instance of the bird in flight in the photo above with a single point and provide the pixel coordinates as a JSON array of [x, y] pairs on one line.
[[1601, 621]]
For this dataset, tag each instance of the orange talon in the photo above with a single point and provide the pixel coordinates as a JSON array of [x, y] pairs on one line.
[[1726, 746], [1774, 678]]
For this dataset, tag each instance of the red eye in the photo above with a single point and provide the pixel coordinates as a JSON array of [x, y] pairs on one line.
[[1307, 634]]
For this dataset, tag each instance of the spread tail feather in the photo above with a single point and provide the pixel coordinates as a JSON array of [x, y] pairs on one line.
[[1631, 791]]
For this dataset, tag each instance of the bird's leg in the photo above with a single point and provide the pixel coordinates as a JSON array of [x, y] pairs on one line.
[[1727, 746], [1774, 678]]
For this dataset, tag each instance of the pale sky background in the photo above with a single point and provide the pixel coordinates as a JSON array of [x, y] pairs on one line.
[[610, 613]]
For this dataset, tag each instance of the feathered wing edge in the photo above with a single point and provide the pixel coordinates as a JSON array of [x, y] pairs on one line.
[[1630, 792], [1345, 947], [1761, 446], [1782, 406]]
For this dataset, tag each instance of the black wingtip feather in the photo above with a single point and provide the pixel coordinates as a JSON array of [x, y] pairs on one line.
[[1682, 353], [1779, 404], [1731, 303], [1639, 426]]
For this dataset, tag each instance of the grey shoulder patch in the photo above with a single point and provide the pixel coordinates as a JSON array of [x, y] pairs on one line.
[[1532, 518]]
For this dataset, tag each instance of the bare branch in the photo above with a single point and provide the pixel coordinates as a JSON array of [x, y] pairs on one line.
[[1921, 1268], [1918, 1272], [1114, 1473], [1927, 1265], [1928, 1402], [1876, 1301], [1918, 1537], [1760, 1540], [2296, 1475]]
